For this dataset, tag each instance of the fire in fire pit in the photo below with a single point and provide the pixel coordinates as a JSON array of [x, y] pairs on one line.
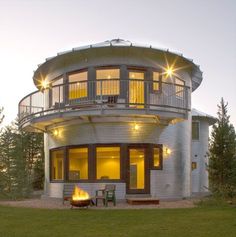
[[80, 198]]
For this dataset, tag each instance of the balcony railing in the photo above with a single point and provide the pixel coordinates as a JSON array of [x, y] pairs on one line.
[[106, 94]]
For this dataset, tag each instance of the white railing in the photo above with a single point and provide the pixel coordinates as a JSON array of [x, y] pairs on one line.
[[109, 94]]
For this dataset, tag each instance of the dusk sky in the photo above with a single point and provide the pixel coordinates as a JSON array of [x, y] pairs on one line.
[[204, 30]]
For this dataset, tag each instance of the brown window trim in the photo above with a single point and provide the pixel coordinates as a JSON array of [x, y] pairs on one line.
[[64, 165], [160, 167], [95, 157], [92, 167]]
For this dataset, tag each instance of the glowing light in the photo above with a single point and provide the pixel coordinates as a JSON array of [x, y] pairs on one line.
[[136, 127], [44, 84], [169, 71], [108, 77], [55, 132], [168, 151]]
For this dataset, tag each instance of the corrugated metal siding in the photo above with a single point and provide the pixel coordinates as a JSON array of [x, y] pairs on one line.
[[172, 182], [200, 148]]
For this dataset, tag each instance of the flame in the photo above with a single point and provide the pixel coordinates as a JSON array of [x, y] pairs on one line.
[[79, 194]]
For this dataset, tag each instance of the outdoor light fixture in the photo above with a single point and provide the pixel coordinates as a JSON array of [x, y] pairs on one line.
[[168, 151], [169, 71], [44, 84], [55, 132], [136, 127]]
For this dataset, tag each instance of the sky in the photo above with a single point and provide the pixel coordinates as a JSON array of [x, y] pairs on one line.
[[204, 30]]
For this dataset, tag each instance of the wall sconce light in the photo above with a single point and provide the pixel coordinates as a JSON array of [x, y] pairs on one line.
[[44, 84], [56, 133], [169, 71], [136, 127], [167, 151]]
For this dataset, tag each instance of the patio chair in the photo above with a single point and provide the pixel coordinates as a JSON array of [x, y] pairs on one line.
[[106, 195]]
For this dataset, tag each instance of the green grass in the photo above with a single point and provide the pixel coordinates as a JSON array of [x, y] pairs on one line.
[[206, 222]]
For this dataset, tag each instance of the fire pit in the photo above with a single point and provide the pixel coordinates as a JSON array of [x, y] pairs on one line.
[[80, 203], [80, 198]]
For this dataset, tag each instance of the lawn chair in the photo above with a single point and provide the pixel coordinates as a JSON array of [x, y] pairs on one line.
[[106, 195]]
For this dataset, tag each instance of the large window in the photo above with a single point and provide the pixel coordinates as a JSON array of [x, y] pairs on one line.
[[57, 165], [105, 162], [195, 130], [78, 85], [78, 163], [156, 81], [57, 91], [108, 81], [108, 162]]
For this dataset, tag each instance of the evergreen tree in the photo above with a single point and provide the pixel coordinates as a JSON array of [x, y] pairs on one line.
[[21, 162], [1, 115], [222, 159]]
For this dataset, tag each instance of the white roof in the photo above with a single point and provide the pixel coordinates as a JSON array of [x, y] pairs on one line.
[[199, 114]]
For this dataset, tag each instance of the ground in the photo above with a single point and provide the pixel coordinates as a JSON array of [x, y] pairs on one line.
[[198, 221], [50, 203]]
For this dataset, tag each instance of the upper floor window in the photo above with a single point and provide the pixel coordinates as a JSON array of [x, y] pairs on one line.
[[156, 80], [195, 130], [57, 91], [78, 85], [179, 88], [108, 81], [136, 75], [136, 89]]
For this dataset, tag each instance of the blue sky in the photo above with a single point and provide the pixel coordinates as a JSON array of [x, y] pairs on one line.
[[204, 30]]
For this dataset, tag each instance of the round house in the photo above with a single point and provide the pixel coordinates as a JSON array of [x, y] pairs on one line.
[[115, 113]]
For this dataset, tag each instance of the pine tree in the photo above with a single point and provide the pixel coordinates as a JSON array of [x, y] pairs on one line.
[[222, 159], [21, 162]]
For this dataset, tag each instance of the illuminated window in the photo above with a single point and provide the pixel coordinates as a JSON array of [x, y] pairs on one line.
[[156, 78], [57, 165], [157, 158], [57, 91], [108, 162], [108, 83], [78, 163], [78, 85], [195, 130], [136, 89], [194, 165], [179, 88]]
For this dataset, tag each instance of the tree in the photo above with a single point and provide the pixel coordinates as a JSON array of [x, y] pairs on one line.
[[21, 162], [1, 115], [222, 159]]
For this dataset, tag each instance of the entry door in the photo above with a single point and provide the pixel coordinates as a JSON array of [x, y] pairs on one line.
[[138, 177], [136, 89]]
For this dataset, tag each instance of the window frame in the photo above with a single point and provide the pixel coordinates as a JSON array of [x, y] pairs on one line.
[[118, 80], [159, 82], [84, 81], [95, 162], [51, 165], [51, 104], [197, 122], [160, 147], [68, 163]]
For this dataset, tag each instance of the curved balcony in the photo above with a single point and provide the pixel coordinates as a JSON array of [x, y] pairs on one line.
[[104, 97]]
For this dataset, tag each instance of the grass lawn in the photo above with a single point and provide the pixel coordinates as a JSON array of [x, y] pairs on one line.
[[206, 222]]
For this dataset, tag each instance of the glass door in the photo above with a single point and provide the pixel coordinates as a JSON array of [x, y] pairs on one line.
[[137, 170], [136, 89]]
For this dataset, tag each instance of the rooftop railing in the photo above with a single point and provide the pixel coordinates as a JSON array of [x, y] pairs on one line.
[[111, 94]]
